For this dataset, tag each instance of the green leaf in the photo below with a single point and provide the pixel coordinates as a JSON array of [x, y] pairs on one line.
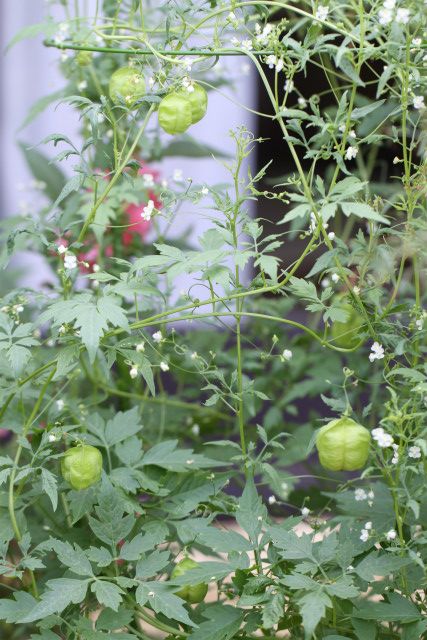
[[374, 565], [14, 610], [50, 486], [152, 564], [362, 210], [123, 425], [251, 512], [71, 556], [31, 31], [166, 455], [61, 592], [223, 623], [110, 620], [361, 112], [313, 608], [292, 547], [205, 572], [273, 610], [44, 171], [397, 609], [162, 600], [107, 593]]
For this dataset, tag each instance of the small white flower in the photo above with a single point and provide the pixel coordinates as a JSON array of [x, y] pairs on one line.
[[356, 290], [178, 176], [195, 429], [364, 535], [204, 191], [360, 495], [377, 352], [302, 102], [147, 211], [414, 452], [287, 354], [350, 568], [60, 404], [70, 261], [164, 366], [52, 437], [385, 16], [190, 461], [416, 42], [81, 86], [371, 495], [335, 277], [403, 15], [140, 347], [419, 324], [305, 511], [382, 438], [322, 12], [96, 268], [194, 355], [148, 179], [418, 102], [289, 85], [331, 235], [133, 372], [247, 44], [157, 336], [352, 133], [325, 283], [389, 4], [272, 500], [351, 153], [396, 160], [391, 535], [368, 526], [61, 249]]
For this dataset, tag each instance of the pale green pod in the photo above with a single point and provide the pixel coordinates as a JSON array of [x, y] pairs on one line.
[[175, 114], [192, 593], [199, 103], [343, 445], [126, 85], [81, 466], [345, 334]]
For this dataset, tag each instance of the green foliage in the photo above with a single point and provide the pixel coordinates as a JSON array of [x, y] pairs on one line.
[[204, 405]]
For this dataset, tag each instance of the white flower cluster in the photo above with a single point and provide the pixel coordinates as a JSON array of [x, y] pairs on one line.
[[360, 495], [188, 84], [364, 534], [322, 12], [388, 13], [263, 34], [418, 102], [377, 352], [274, 62], [148, 211], [351, 153], [382, 438]]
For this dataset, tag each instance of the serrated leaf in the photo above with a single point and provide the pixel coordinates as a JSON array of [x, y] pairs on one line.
[[107, 593], [222, 624], [50, 486], [162, 600]]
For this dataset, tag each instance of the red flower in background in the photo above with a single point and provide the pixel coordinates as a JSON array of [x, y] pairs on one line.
[[138, 226]]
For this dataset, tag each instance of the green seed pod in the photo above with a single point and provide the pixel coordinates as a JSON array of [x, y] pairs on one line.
[[126, 85], [345, 333], [84, 58], [199, 103], [343, 445], [81, 466], [175, 115], [193, 594]]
